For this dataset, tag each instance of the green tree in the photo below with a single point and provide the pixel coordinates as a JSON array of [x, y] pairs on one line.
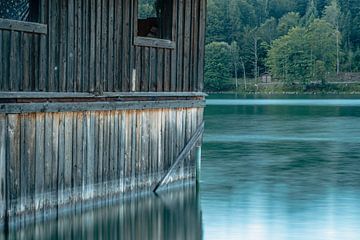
[[304, 54], [218, 62], [311, 13], [355, 59], [322, 45], [278, 8], [289, 58], [332, 15], [287, 22]]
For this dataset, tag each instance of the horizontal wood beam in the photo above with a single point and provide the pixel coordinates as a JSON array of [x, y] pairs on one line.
[[24, 95], [22, 26], [16, 108], [154, 42]]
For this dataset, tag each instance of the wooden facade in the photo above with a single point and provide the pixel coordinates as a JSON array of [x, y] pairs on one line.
[[90, 46], [90, 110]]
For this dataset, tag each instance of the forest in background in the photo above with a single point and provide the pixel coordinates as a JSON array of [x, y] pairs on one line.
[[298, 42]]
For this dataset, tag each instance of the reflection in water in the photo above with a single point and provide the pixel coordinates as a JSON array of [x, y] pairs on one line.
[[173, 214], [281, 171]]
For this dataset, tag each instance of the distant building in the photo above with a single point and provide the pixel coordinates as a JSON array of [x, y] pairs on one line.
[[266, 78]]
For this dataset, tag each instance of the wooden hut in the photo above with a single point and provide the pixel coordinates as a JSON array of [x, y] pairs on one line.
[[98, 98]]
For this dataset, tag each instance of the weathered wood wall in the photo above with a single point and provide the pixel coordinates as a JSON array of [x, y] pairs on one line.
[[49, 160], [67, 132], [89, 48]]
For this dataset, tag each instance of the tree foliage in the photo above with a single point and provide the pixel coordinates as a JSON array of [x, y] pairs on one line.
[[313, 38], [305, 54], [218, 63]]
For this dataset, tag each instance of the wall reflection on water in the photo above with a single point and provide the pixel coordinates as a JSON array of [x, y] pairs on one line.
[[171, 214]]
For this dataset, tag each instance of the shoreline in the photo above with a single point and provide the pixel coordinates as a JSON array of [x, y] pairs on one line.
[[286, 93]]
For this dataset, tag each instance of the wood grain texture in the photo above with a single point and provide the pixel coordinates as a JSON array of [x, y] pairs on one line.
[[88, 110], [2, 168], [92, 46]]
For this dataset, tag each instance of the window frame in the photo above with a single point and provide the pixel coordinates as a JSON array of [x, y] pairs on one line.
[[155, 42]]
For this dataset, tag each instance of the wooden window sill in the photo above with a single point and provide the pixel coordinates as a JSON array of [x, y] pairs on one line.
[[154, 42], [21, 26]]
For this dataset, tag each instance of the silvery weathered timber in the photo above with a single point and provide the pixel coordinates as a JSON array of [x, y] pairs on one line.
[[97, 100]]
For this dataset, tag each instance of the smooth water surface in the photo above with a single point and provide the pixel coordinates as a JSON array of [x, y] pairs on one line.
[[282, 168]]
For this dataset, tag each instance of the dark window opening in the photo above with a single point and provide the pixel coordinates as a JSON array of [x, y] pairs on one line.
[[22, 10], [155, 18]]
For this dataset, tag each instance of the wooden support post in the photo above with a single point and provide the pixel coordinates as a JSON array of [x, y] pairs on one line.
[[183, 154]]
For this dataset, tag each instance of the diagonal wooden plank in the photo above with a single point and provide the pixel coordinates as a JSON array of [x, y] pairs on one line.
[[183, 154]]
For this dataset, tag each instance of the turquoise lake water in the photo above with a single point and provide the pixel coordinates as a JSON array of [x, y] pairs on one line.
[[281, 168]]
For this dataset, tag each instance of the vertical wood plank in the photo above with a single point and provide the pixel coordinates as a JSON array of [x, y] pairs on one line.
[[68, 148], [39, 163], [105, 151], [55, 135], [111, 51], [138, 145], [154, 144], [145, 69], [194, 45], [123, 140], [132, 164], [5, 59], [63, 46], [118, 45], [78, 165], [3, 169], [13, 158], [93, 23], [26, 66], [126, 45], [13, 70], [187, 45], [167, 66], [98, 87], [90, 154], [138, 68], [79, 41], [2, 59], [153, 72], [174, 52], [144, 148], [49, 167], [104, 45], [100, 148], [201, 42], [112, 151], [86, 46], [130, 43], [42, 63], [29, 162], [163, 84], [61, 161], [20, 59], [127, 146], [180, 46]]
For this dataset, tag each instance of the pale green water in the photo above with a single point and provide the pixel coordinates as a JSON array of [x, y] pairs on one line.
[[284, 168], [281, 169]]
